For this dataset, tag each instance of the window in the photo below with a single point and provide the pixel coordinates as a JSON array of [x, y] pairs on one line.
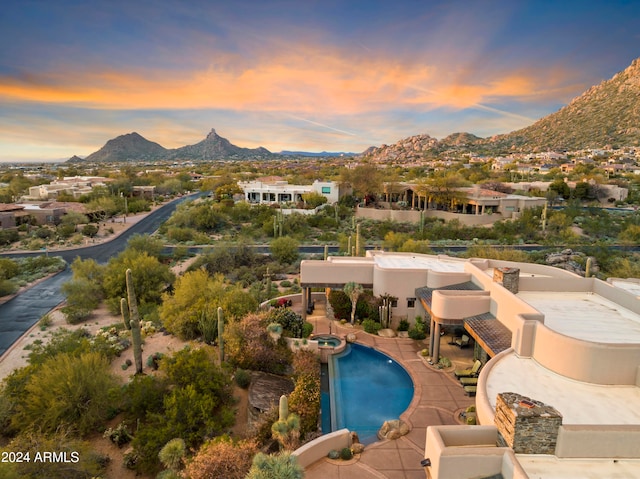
[[326, 190], [394, 303], [411, 302]]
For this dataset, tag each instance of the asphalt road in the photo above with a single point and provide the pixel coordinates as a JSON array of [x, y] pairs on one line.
[[22, 312]]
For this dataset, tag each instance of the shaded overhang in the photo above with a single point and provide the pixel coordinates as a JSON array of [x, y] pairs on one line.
[[492, 336], [425, 295]]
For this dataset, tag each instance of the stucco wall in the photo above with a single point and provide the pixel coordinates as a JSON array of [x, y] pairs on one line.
[[359, 270], [604, 441], [318, 448], [581, 360], [459, 304]]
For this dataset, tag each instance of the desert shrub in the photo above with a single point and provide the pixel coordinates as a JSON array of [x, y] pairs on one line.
[[370, 326], [307, 329], [153, 360], [340, 303], [290, 321], [419, 329], [333, 454], [7, 287], [305, 397], [76, 392], [221, 457], [8, 268], [120, 435], [277, 466], [198, 405], [242, 378], [249, 346], [172, 453], [81, 461], [143, 395], [90, 230]]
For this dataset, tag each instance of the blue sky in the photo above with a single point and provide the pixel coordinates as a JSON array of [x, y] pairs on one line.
[[325, 75]]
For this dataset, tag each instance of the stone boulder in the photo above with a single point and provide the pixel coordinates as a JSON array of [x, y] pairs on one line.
[[393, 429]]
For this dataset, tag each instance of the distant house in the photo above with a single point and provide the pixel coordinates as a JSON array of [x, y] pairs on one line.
[[8, 215], [270, 190], [75, 186]]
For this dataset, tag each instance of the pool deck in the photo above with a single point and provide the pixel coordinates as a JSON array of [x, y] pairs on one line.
[[438, 400]]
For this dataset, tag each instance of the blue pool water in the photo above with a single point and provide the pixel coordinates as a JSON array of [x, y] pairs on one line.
[[367, 388]]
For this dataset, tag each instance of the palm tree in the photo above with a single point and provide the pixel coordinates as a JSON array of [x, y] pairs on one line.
[[353, 290]]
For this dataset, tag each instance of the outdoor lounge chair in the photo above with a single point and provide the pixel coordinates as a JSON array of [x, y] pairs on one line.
[[469, 372], [470, 390], [463, 342], [469, 381]]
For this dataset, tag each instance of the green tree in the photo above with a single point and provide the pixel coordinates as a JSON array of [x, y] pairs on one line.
[[365, 179], [284, 249], [151, 245], [76, 392], [151, 278], [313, 199], [353, 291]]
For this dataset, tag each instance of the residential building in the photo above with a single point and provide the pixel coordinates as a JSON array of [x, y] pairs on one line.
[[558, 395], [270, 190]]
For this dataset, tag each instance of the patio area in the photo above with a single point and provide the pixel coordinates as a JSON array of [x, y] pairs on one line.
[[438, 400]]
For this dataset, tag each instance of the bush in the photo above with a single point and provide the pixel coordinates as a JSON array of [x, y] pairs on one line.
[[403, 325], [290, 321], [345, 454], [307, 329], [370, 326], [419, 330], [333, 454], [68, 391], [222, 458], [305, 398], [120, 435], [243, 378]]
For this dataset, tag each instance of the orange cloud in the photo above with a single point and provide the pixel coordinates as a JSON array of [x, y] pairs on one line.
[[308, 79]]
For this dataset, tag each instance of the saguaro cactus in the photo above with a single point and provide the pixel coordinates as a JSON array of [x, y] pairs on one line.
[[131, 319], [220, 332], [287, 428]]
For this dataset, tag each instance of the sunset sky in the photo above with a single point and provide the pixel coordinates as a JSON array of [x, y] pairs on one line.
[[297, 75]]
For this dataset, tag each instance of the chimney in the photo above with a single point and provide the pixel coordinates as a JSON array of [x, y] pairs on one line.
[[507, 277], [525, 425]]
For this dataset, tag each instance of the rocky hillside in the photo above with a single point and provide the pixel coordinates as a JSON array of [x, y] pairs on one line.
[[214, 147], [129, 147], [605, 115], [134, 147]]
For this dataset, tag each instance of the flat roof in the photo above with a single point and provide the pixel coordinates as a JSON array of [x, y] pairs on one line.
[[587, 316], [578, 402], [632, 287], [550, 467], [419, 262]]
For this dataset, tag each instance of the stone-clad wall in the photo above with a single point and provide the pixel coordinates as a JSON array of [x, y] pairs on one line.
[[525, 425]]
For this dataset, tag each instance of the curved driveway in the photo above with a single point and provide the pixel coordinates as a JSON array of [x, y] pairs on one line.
[[22, 312]]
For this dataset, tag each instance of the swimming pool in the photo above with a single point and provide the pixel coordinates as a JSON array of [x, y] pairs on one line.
[[366, 389]]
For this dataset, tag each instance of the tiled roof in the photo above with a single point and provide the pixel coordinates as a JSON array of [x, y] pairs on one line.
[[493, 336]]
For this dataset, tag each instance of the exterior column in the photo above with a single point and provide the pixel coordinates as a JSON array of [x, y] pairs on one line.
[[304, 302], [432, 328], [435, 354]]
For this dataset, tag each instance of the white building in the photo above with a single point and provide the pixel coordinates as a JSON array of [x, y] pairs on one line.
[[271, 190]]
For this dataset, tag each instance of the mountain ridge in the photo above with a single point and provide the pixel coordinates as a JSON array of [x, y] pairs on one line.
[[607, 114]]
